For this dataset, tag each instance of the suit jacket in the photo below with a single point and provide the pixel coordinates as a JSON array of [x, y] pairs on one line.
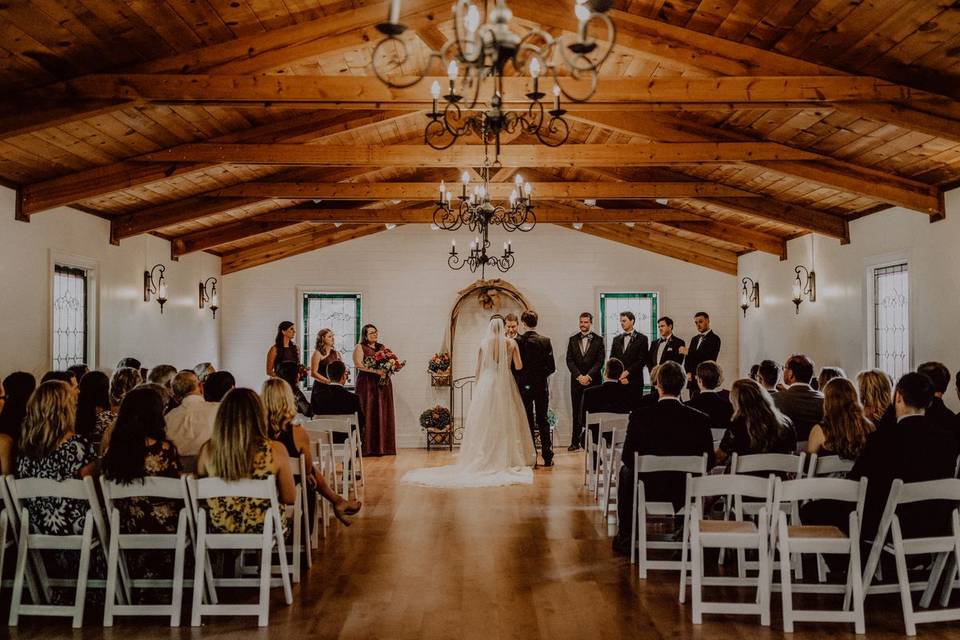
[[803, 406], [671, 353], [536, 352], [334, 400], [667, 428], [609, 397], [634, 358], [585, 364], [913, 450], [715, 405], [939, 414], [702, 348]]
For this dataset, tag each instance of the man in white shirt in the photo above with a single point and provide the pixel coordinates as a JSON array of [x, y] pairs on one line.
[[190, 425]]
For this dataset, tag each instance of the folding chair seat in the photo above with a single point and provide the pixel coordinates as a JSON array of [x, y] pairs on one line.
[[357, 450], [606, 423]]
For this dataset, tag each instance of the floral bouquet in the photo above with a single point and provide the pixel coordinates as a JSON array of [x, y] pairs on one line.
[[439, 363], [437, 418], [384, 360]]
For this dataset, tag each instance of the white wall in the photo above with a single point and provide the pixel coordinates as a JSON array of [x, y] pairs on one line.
[[408, 291], [183, 336], [833, 330]]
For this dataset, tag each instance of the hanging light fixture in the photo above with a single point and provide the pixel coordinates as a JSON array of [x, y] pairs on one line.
[[210, 295], [478, 258], [481, 51], [749, 294], [155, 285], [476, 210], [807, 284]]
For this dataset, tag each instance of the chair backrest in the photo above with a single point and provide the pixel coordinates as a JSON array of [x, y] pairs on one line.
[[608, 421], [683, 464], [767, 463], [298, 466], [149, 487], [206, 488], [352, 418], [317, 426], [26, 488], [717, 434], [827, 465], [732, 485], [820, 489], [907, 492], [12, 513]]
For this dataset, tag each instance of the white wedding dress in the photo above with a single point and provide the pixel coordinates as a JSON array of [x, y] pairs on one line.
[[497, 448]]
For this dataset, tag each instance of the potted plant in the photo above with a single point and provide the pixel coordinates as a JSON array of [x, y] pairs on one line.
[[439, 368]]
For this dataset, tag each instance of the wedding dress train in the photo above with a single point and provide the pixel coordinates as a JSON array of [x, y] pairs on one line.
[[497, 448]]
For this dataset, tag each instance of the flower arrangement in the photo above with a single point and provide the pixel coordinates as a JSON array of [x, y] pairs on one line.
[[436, 418], [384, 360], [551, 418], [439, 363]]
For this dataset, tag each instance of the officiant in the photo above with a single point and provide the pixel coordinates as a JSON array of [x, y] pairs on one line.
[[584, 360]]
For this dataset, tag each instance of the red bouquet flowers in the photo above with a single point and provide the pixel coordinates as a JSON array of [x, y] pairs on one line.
[[384, 360]]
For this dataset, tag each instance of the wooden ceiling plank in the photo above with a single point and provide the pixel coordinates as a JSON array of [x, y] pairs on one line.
[[424, 215], [223, 234], [756, 240]]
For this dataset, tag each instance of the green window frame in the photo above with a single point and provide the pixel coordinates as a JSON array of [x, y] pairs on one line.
[[649, 328], [309, 334]]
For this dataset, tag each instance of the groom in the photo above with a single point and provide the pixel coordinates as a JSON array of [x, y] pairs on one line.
[[536, 353]]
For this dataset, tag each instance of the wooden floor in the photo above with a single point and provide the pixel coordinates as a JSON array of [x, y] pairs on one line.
[[521, 562]]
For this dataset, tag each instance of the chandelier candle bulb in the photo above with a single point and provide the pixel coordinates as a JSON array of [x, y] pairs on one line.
[[556, 97], [394, 17]]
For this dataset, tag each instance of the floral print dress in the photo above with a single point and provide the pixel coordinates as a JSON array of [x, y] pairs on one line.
[[58, 516], [243, 515], [154, 515]]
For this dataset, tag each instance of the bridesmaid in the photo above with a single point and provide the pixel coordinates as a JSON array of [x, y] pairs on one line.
[[376, 399], [284, 349], [323, 355]]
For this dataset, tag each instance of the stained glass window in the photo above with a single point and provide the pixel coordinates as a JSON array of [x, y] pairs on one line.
[[642, 304], [339, 312], [891, 320], [70, 317]]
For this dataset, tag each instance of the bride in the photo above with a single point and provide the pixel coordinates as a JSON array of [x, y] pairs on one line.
[[497, 447]]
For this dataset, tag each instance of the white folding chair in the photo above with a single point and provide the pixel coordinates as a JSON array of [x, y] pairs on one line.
[[942, 547], [729, 534], [5, 541], [150, 487], [13, 539], [606, 423], [610, 455], [298, 514], [717, 435], [344, 453], [797, 537], [28, 543], [821, 466], [357, 458], [272, 535], [640, 544]]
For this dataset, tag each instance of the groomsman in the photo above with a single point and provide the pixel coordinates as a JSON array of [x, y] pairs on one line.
[[703, 347], [510, 325], [630, 348], [666, 348], [536, 352], [584, 359]]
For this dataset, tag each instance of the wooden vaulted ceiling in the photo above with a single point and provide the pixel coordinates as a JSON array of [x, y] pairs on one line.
[[254, 129]]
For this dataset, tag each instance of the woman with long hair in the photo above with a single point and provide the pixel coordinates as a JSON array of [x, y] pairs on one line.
[[844, 428], [240, 449], [827, 374], [323, 354], [876, 395], [94, 416], [757, 425], [281, 410], [283, 350], [124, 379], [17, 388], [375, 392], [50, 448]]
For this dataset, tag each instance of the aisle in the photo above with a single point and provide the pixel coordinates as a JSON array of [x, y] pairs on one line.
[[522, 562]]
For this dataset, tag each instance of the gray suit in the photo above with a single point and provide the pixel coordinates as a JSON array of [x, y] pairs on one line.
[[802, 405]]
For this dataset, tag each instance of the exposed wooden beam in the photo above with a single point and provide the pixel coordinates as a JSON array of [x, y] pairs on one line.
[[223, 234], [747, 238], [826, 224], [415, 155], [37, 111], [272, 250], [171, 213], [425, 215], [497, 189], [830, 172], [127, 174], [651, 241]]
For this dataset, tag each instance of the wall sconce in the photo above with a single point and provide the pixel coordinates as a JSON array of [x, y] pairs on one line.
[[210, 295], [157, 286], [806, 286], [749, 293]]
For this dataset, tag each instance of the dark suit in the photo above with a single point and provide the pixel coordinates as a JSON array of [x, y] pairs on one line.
[[715, 405], [634, 357], [939, 414], [671, 353], [803, 406], [702, 348], [582, 363], [913, 450], [334, 400], [667, 428], [536, 352], [609, 397]]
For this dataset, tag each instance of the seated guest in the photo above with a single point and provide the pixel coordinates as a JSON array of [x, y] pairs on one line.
[[131, 363], [64, 376], [844, 429], [240, 449], [827, 374], [190, 425], [281, 411], [768, 375], [124, 379], [755, 373], [290, 373], [217, 385], [94, 415], [17, 388], [162, 374], [668, 428], [757, 426], [609, 397], [139, 449], [937, 412], [710, 400], [911, 449], [799, 401], [203, 370], [334, 399], [50, 448], [876, 395], [78, 371]]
